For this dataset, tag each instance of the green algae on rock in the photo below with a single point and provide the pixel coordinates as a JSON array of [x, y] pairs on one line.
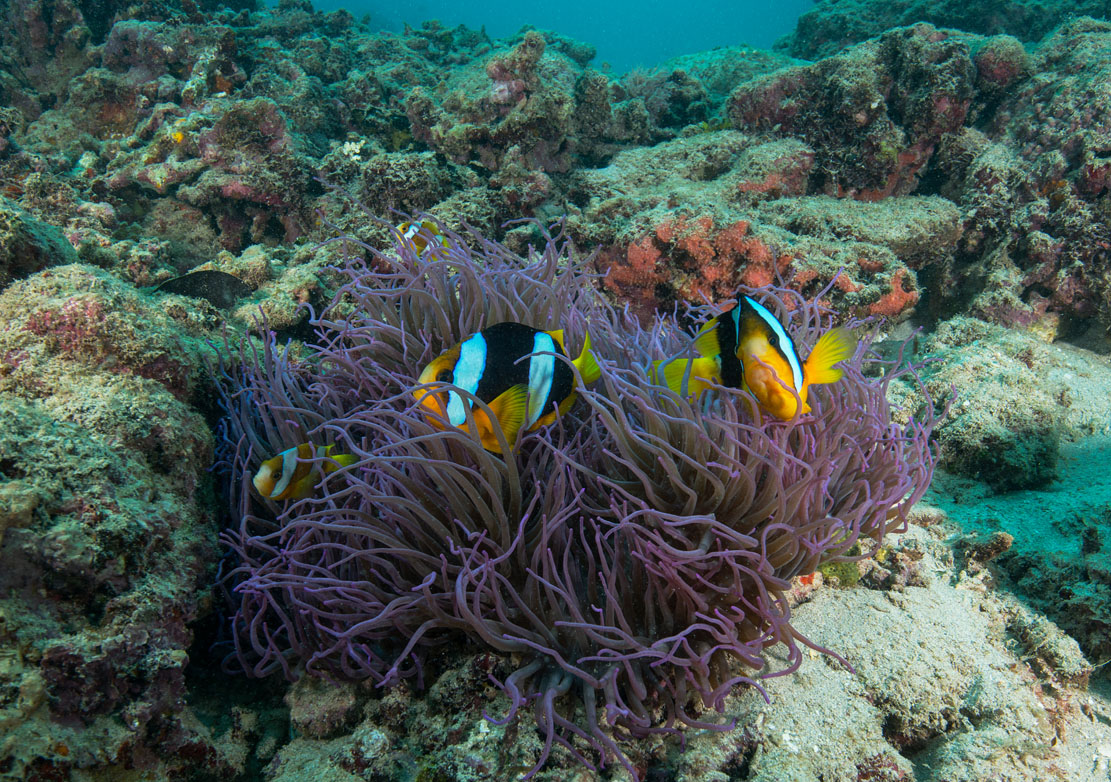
[[109, 542], [1018, 399], [28, 245]]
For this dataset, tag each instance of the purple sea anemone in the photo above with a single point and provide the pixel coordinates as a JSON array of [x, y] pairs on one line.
[[632, 558]]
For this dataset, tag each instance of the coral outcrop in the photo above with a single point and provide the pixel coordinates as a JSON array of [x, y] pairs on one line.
[[107, 539], [833, 25]]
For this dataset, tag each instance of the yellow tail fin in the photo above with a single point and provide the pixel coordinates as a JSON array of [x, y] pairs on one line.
[[702, 371], [587, 364], [344, 459], [836, 345]]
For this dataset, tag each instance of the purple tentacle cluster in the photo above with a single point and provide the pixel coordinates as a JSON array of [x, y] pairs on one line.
[[634, 556]]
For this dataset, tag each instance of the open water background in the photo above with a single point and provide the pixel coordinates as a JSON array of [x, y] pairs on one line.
[[626, 33]]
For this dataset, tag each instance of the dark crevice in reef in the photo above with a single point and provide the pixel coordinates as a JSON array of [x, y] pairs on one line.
[[228, 704]]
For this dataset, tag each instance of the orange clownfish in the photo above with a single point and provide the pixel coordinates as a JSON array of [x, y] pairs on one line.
[[514, 369], [421, 235], [295, 472], [747, 347]]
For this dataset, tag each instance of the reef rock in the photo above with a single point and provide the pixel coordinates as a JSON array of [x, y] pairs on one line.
[[107, 539], [28, 245], [833, 25], [1017, 400]]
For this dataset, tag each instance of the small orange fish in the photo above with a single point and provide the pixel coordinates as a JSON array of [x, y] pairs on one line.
[[421, 235], [294, 473], [514, 369], [747, 347]]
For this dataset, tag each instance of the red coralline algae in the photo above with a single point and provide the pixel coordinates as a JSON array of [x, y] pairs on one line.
[[898, 299], [79, 326], [689, 258], [636, 274]]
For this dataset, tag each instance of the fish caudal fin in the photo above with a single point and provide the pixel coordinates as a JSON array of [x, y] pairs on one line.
[[587, 364], [509, 409], [836, 345], [687, 376], [340, 459]]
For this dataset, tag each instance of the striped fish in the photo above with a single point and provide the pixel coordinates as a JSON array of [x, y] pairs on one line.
[[294, 473], [747, 347], [515, 369]]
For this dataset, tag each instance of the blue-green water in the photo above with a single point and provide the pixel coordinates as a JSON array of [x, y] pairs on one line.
[[626, 34]]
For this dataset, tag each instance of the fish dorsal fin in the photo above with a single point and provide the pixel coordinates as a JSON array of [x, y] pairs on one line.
[[836, 345], [586, 363], [509, 408], [557, 335], [706, 343]]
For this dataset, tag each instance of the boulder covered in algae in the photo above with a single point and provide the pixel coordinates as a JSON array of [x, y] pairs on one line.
[[1018, 399], [105, 532]]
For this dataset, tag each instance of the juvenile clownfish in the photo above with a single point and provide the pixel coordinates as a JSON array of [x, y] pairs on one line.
[[515, 370], [295, 472], [747, 347], [421, 235]]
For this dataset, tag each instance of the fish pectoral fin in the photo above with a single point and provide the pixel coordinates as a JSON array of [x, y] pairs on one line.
[[509, 409], [587, 364], [706, 343], [302, 488], [835, 345]]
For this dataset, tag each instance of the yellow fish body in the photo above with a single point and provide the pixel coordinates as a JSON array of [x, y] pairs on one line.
[[747, 347], [515, 370], [294, 473]]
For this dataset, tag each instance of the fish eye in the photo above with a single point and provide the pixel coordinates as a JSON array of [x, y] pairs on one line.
[[774, 340], [444, 376]]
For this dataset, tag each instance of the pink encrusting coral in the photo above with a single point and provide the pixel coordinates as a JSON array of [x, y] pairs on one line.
[[634, 557]]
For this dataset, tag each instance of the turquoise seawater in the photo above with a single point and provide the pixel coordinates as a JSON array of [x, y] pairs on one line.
[[626, 34]]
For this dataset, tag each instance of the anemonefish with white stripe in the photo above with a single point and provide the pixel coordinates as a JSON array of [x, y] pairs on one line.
[[421, 235], [515, 369], [747, 347], [294, 473]]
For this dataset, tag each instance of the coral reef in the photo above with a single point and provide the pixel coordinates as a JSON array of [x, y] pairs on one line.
[[546, 554], [834, 24], [951, 174]]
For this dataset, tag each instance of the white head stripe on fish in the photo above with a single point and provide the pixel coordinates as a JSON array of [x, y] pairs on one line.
[[468, 371], [289, 466], [541, 371], [786, 344]]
